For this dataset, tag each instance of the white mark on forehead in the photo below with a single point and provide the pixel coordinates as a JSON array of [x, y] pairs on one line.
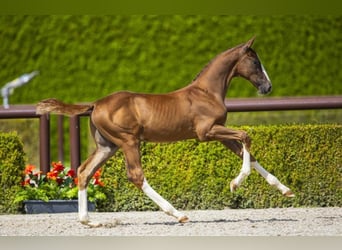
[[264, 70], [265, 73]]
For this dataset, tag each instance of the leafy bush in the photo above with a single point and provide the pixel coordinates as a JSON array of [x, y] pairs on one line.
[[83, 58], [193, 175], [28, 132], [12, 164]]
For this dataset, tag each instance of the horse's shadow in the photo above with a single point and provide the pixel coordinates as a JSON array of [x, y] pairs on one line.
[[218, 221], [194, 222]]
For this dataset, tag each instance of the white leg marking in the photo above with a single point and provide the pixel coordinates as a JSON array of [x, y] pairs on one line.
[[83, 206], [272, 180], [82, 194], [162, 203], [83, 210], [245, 170]]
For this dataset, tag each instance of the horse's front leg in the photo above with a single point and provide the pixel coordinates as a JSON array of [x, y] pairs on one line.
[[222, 134], [238, 149], [272, 180], [244, 172], [136, 176], [230, 138]]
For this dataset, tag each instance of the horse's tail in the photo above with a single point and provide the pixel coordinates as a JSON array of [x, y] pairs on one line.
[[57, 107]]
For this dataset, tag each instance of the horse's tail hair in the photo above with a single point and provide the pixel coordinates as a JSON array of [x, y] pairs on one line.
[[58, 107]]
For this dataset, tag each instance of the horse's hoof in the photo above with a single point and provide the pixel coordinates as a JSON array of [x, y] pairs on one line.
[[183, 219], [92, 224], [289, 194], [84, 222], [84, 219], [233, 186]]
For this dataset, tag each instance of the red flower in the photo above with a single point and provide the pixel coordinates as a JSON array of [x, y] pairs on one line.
[[97, 174], [98, 182], [29, 169], [97, 177], [59, 181], [52, 175], [71, 173], [57, 166]]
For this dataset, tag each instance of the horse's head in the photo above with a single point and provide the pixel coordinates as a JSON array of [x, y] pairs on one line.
[[250, 68]]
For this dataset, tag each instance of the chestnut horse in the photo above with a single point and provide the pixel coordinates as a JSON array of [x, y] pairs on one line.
[[197, 111]]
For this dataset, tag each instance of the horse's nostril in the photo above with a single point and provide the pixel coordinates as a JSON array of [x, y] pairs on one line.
[[269, 89]]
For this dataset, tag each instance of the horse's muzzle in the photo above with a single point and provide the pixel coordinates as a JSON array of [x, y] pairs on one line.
[[265, 89]]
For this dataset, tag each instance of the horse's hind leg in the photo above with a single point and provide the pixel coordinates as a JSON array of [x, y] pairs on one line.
[[104, 150], [241, 151], [136, 176]]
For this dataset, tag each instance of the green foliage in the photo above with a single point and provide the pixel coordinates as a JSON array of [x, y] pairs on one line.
[[12, 164], [193, 175], [83, 58], [28, 132], [52, 191], [58, 184]]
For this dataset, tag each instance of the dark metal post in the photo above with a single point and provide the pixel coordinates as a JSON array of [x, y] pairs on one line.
[[75, 155], [44, 143], [60, 129]]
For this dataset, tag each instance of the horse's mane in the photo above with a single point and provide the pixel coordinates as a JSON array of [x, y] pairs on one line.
[[210, 62], [203, 69]]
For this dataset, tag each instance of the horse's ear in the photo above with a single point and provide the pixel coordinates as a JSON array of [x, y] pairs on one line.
[[250, 42], [247, 45]]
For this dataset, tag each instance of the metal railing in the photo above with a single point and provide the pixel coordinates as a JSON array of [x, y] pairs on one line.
[[29, 111], [283, 103], [233, 105]]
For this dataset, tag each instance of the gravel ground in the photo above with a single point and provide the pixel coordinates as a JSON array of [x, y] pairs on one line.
[[228, 222]]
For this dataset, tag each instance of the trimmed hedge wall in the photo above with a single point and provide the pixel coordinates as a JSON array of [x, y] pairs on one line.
[[12, 165], [83, 58], [193, 175]]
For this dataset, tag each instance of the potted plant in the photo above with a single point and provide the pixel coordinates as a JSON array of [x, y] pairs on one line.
[[56, 192]]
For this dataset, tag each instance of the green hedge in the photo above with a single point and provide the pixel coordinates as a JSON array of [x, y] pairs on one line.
[[12, 165], [193, 175], [83, 58]]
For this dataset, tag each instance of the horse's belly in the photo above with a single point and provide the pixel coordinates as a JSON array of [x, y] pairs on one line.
[[167, 135]]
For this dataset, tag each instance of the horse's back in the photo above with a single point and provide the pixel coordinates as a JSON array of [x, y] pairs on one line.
[[150, 117]]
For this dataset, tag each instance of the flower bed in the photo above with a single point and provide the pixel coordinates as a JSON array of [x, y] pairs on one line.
[[57, 189]]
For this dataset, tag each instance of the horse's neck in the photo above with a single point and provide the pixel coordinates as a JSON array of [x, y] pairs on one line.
[[215, 78]]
